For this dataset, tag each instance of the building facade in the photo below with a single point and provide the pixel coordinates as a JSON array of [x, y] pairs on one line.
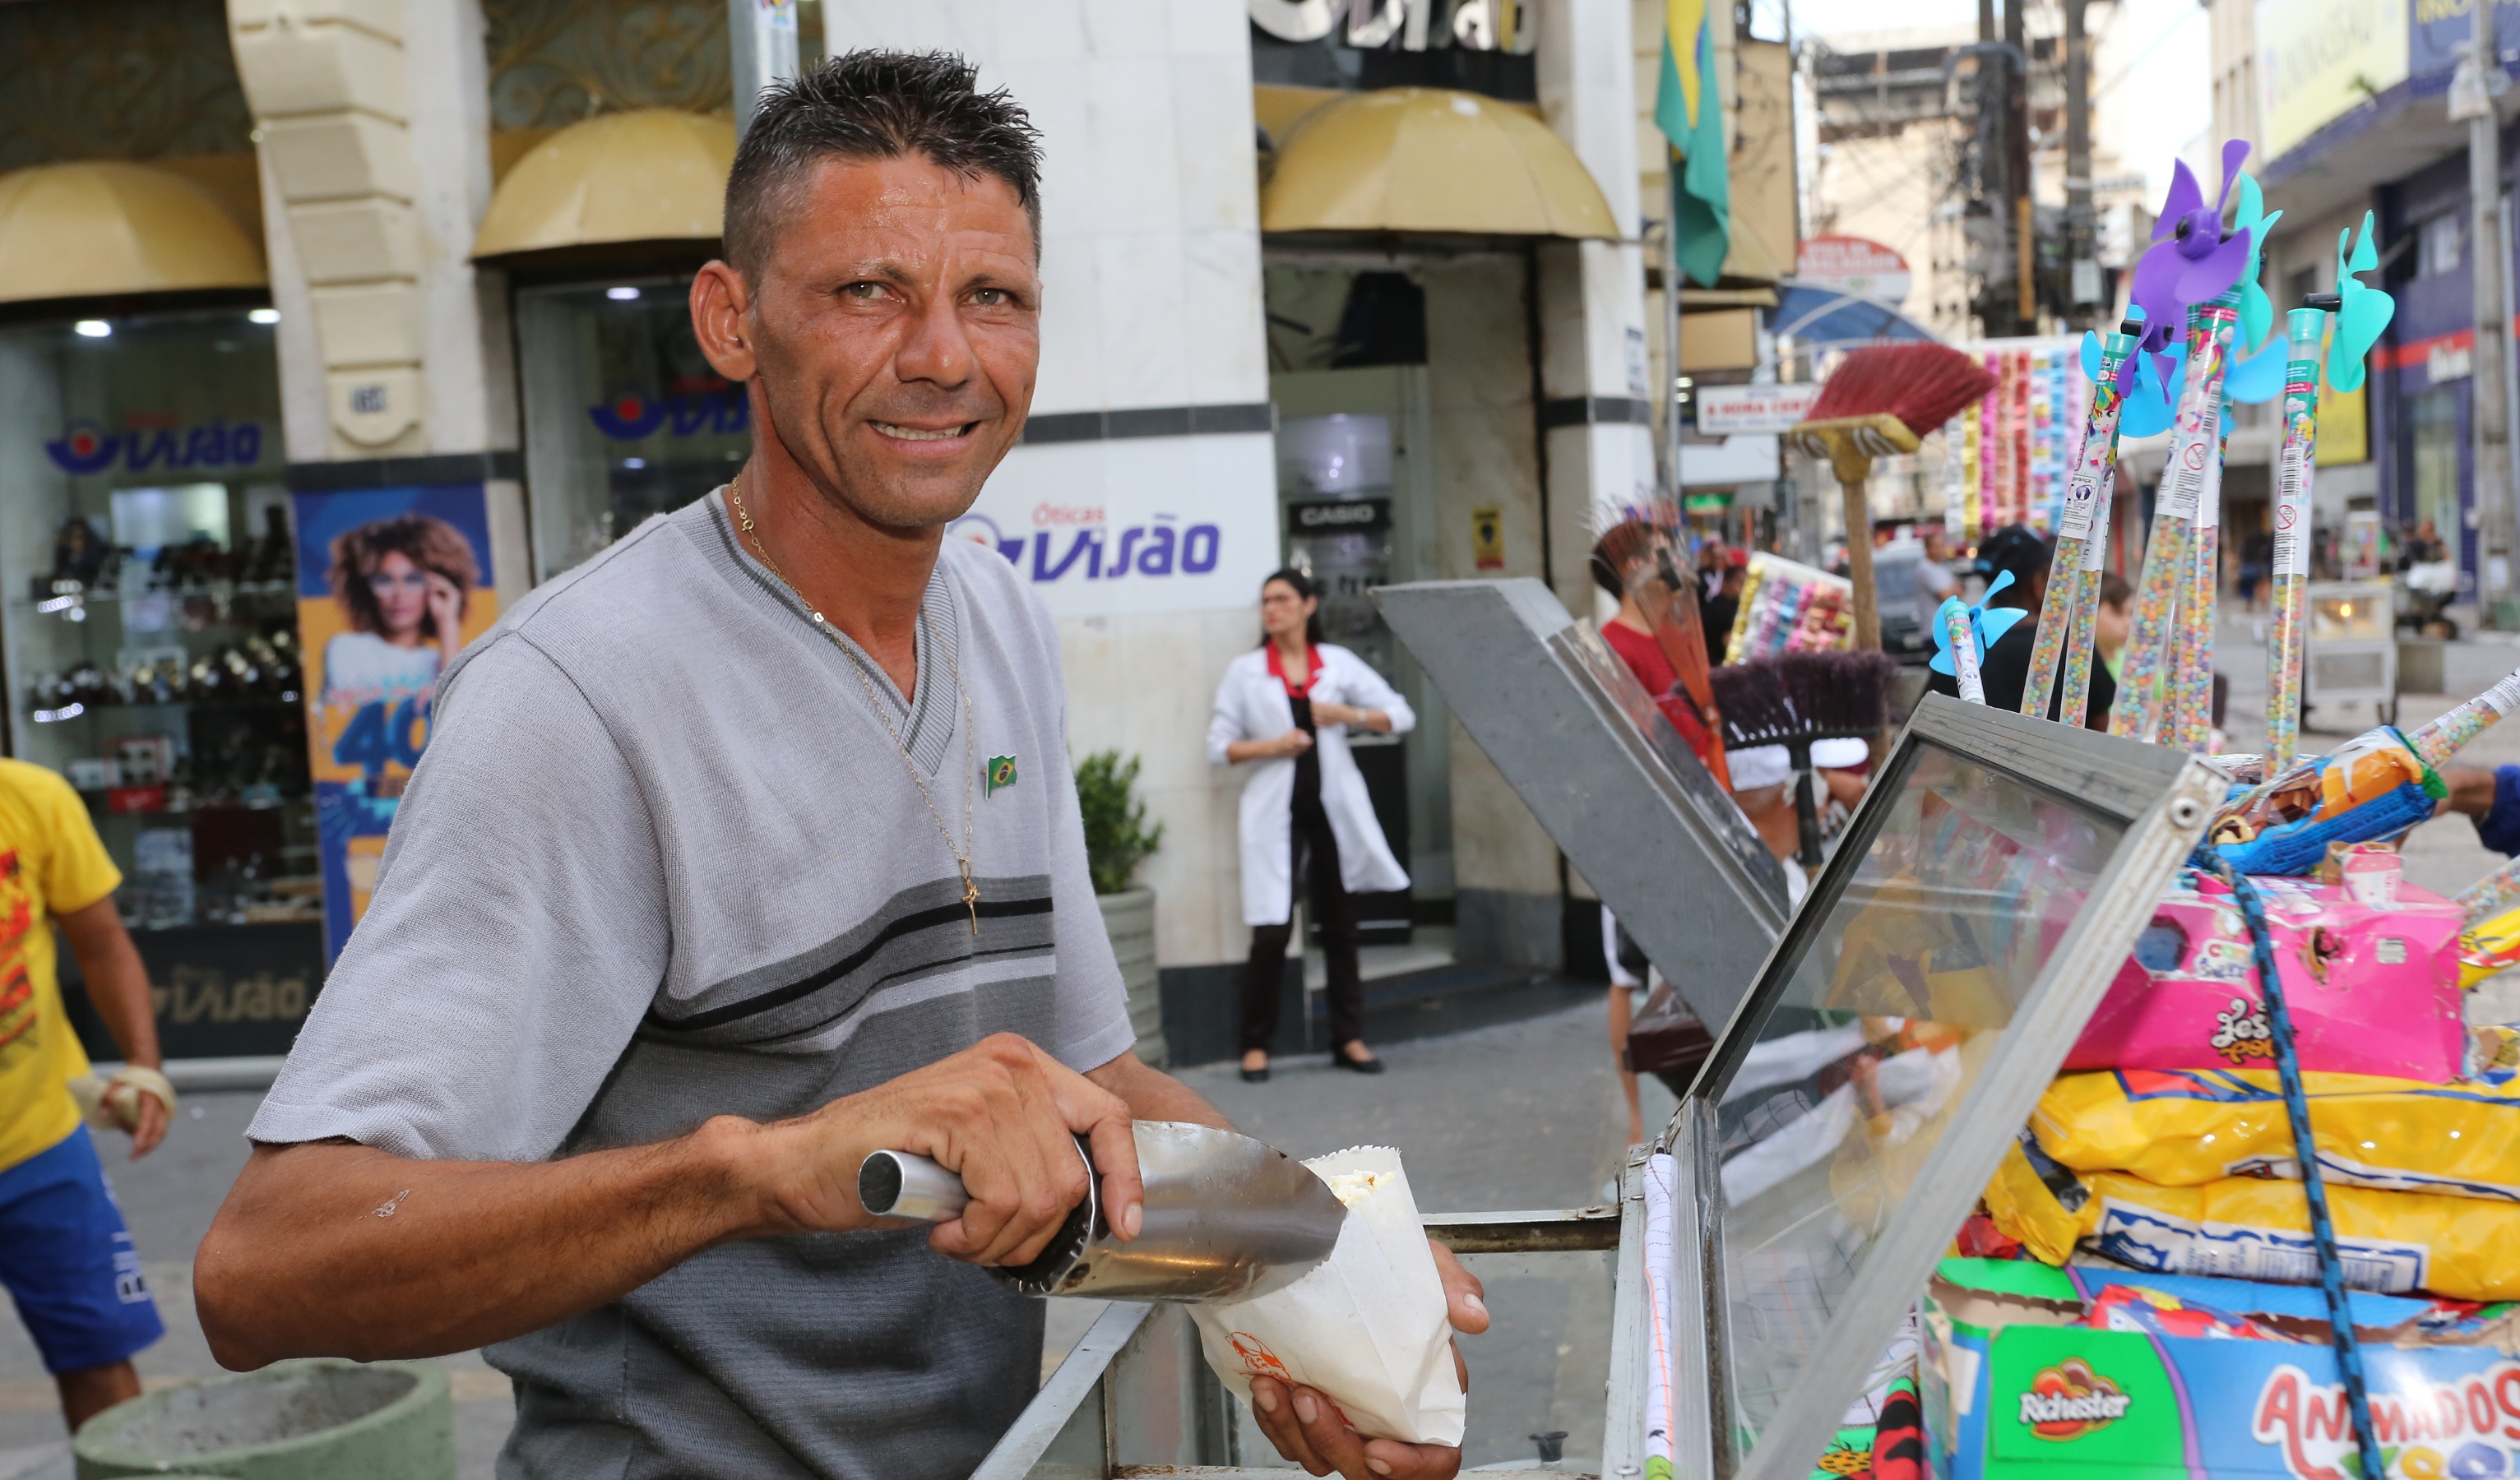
[[426, 263]]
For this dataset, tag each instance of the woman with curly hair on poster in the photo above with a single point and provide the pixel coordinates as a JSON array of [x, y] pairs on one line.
[[403, 584]]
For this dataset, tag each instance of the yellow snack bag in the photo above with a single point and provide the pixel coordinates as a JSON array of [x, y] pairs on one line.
[[2246, 1229], [2489, 946], [2188, 1128]]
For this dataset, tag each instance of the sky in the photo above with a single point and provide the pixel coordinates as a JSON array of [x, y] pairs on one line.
[[2150, 109]]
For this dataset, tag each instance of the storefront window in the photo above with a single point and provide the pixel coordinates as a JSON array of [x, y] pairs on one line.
[[2433, 416], [151, 643], [623, 416]]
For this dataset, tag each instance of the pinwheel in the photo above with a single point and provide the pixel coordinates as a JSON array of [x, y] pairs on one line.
[[2362, 315], [2152, 397], [2257, 312], [2191, 260], [1989, 624]]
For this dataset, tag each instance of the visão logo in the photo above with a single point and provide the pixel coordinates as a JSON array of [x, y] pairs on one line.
[[2069, 1400]]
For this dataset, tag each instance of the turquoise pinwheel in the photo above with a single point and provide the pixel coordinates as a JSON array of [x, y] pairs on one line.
[[2260, 377], [1987, 625], [2363, 315]]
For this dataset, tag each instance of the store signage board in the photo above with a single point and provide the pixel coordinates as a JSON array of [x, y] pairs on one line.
[[1856, 266], [2320, 59], [1730, 410], [1135, 526], [1985, 894], [1602, 771]]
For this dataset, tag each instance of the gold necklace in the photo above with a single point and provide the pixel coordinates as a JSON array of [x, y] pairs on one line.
[[953, 664]]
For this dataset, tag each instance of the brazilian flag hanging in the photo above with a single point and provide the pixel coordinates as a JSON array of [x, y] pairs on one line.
[[1689, 111]]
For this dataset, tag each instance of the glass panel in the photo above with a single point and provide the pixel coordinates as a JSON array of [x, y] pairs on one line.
[[623, 416], [1891, 1008], [147, 562], [2352, 615], [2432, 422]]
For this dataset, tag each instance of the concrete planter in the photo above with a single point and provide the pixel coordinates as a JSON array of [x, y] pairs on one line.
[[318, 1419], [1129, 918]]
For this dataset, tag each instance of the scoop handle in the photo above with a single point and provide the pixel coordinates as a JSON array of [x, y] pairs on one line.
[[904, 1185]]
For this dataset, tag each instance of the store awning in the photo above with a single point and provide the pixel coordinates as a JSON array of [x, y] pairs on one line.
[[653, 175], [1427, 159], [105, 228], [1816, 316]]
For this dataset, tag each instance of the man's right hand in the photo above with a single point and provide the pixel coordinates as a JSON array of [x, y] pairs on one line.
[[1293, 742], [1001, 1115]]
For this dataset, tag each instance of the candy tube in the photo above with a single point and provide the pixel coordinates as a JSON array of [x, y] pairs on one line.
[[2304, 329], [2086, 496], [2082, 640], [2440, 739], [1963, 639], [2494, 894], [2191, 678], [2145, 706]]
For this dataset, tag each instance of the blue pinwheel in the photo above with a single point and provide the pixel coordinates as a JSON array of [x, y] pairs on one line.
[[1987, 625]]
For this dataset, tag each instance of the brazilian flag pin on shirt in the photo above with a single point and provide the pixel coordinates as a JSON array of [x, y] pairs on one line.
[[1001, 774]]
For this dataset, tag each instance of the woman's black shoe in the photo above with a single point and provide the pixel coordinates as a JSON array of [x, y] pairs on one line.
[[1357, 1065], [1259, 1075]]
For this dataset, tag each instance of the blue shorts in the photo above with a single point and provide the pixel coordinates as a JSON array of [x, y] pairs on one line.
[[69, 1262]]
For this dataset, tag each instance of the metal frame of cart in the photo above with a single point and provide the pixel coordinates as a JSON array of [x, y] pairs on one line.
[[1136, 1397]]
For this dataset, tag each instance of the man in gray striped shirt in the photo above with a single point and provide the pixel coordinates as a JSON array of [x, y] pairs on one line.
[[744, 850]]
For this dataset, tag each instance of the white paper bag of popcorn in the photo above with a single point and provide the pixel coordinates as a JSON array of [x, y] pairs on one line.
[[1367, 1329]]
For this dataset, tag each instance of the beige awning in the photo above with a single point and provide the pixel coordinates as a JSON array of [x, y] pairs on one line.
[[653, 175], [1427, 159], [104, 228]]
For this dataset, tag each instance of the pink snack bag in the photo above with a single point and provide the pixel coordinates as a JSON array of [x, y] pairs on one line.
[[2373, 990]]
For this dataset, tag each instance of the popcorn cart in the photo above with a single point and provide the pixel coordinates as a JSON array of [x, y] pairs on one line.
[[2352, 656], [1883, 1043]]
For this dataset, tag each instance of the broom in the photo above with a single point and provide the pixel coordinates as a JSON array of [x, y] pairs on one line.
[[1882, 399], [1800, 697]]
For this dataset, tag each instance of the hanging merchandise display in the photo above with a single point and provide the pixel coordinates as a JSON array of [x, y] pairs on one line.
[[2028, 434], [1787, 607]]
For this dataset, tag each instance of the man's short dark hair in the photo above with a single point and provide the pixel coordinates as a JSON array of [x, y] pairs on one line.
[[874, 104]]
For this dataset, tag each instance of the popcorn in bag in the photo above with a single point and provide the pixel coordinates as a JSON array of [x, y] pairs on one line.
[[1367, 1329]]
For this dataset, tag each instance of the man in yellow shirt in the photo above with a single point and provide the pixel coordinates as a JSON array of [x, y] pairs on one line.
[[65, 1255]]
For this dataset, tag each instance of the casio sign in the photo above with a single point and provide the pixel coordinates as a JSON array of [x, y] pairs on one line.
[[1355, 517]]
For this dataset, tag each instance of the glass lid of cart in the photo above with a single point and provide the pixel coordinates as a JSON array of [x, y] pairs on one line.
[[1925, 993]]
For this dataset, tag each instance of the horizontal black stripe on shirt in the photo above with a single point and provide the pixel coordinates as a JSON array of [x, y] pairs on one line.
[[905, 975], [894, 929]]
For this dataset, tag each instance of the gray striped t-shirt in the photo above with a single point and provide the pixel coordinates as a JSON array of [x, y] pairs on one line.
[[660, 861]]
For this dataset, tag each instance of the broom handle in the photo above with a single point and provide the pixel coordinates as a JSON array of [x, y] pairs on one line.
[[1859, 562]]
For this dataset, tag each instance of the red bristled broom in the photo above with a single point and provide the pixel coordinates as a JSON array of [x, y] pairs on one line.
[[1882, 399]]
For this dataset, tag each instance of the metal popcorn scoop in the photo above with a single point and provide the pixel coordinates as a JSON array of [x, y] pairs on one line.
[[1225, 1218]]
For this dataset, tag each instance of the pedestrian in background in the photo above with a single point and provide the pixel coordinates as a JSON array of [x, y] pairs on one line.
[[1285, 710], [65, 1255]]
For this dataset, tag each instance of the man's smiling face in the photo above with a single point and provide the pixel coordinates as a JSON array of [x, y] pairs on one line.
[[895, 325]]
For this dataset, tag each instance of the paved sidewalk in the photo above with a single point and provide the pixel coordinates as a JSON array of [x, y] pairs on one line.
[[1513, 1116]]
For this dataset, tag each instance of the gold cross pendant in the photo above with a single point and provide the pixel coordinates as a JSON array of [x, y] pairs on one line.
[[972, 898]]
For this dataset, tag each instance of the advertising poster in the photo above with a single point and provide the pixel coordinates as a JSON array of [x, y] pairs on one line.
[[391, 584]]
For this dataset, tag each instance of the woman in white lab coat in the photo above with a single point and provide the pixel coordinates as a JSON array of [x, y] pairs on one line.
[[1285, 710]]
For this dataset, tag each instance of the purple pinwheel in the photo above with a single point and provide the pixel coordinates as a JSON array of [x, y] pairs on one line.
[[2191, 261]]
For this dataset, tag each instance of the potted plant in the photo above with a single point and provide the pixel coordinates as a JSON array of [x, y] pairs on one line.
[[1116, 840]]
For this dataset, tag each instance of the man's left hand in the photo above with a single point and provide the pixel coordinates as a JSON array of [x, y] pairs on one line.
[[1307, 1428]]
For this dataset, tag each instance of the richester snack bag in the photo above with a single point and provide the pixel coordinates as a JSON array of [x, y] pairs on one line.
[[1369, 1329], [2373, 990], [2026, 1373]]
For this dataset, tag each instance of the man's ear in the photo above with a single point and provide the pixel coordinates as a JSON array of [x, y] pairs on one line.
[[721, 320]]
